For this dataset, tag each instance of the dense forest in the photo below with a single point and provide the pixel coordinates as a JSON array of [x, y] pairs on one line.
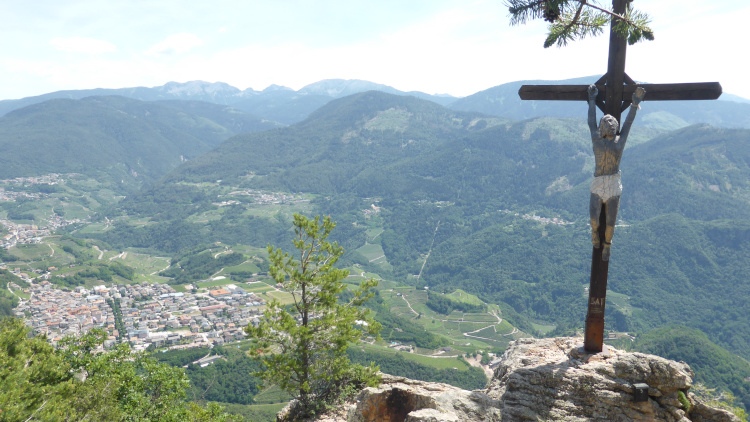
[[7, 299], [443, 304], [71, 382]]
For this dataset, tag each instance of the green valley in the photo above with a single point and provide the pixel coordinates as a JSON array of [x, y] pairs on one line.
[[475, 225]]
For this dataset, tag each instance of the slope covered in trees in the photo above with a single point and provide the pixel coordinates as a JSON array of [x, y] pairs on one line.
[[712, 364], [8, 300], [127, 141]]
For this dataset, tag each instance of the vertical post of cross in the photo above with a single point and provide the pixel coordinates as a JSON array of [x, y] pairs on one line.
[[593, 340], [615, 65]]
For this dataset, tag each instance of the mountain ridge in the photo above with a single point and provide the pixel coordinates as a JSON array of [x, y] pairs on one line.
[[287, 106]]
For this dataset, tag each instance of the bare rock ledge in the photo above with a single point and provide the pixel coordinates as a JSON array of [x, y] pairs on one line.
[[543, 380]]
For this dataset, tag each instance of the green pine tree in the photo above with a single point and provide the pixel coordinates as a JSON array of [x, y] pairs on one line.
[[303, 346], [75, 381]]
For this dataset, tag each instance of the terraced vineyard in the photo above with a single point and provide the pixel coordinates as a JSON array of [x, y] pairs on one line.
[[467, 331]]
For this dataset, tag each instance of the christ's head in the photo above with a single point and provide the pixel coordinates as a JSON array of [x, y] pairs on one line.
[[608, 127]]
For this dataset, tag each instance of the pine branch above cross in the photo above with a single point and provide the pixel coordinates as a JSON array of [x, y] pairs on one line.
[[576, 19]]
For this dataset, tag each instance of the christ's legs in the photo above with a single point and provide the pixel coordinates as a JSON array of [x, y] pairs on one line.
[[595, 209], [612, 206]]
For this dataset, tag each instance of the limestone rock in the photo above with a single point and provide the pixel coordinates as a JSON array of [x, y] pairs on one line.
[[543, 380], [401, 399], [554, 380]]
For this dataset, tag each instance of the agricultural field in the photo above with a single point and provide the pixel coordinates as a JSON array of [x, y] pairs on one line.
[[257, 287], [428, 358], [205, 217], [215, 282], [271, 395], [33, 252], [373, 233], [283, 297], [467, 331], [543, 328], [620, 301]]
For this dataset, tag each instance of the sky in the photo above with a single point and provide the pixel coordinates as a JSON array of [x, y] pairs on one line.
[[455, 47]]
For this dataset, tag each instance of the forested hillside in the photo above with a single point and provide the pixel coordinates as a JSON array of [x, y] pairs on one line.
[[496, 208], [127, 141], [713, 365]]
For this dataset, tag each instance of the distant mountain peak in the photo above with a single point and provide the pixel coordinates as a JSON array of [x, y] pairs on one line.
[[199, 88], [338, 88], [274, 87]]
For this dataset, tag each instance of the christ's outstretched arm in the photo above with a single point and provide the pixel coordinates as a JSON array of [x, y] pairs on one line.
[[593, 92], [637, 98]]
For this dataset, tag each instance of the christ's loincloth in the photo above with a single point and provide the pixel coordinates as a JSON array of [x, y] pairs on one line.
[[607, 186]]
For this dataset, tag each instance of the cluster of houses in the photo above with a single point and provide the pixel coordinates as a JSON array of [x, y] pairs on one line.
[[261, 197], [31, 233], [157, 314], [373, 210], [546, 220], [47, 179], [150, 314], [543, 220], [21, 233], [12, 195], [58, 313]]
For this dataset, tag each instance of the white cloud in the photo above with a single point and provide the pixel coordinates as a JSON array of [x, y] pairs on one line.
[[83, 45], [175, 44]]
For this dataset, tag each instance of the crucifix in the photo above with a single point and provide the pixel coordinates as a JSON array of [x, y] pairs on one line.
[[612, 94]]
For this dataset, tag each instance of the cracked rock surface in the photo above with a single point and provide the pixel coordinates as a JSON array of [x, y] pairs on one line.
[[543, 380], [555, 380]]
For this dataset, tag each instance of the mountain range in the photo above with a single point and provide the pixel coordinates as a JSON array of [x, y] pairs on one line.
[[485, 193], [286, 106], [276, 103]]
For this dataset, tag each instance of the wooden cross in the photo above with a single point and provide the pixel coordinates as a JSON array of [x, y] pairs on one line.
[[615, 93]]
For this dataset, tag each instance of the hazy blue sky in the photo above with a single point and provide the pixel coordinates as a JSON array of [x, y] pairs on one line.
[[457, 47]]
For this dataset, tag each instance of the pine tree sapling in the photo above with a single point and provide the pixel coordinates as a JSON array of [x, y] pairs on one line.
[[303, 345]]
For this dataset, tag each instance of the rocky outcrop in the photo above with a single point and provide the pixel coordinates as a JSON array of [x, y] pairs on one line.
[[405, 400], [545, 380], [555, 380]]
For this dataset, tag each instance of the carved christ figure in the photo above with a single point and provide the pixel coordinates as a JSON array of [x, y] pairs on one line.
[[606, 187]]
